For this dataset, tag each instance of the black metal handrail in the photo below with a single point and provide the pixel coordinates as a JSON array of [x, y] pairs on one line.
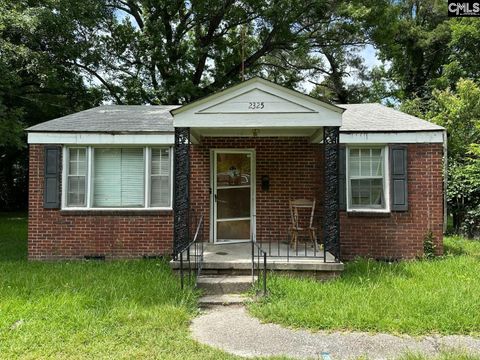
[[260, 284], [191, 256], [277, 243]]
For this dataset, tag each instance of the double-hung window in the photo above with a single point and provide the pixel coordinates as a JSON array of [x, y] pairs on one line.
[[76, 180], [160, 177], [118, 177], [367, 182]]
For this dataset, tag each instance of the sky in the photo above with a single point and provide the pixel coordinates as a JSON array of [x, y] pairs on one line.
[[370, 56]]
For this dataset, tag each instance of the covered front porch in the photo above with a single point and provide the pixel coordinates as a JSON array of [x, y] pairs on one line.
[[240, 157]]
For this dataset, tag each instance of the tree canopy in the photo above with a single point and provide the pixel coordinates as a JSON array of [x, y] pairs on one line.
[[146, 51]]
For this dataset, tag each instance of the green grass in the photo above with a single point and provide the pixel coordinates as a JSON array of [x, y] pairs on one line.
[[457, 355], [457, 246], [135, 309], [13, 236], [416, 297], [94, 310]]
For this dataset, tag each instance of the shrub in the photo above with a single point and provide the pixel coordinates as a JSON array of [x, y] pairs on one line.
[[463, 197], [470, 226], [429, 245]]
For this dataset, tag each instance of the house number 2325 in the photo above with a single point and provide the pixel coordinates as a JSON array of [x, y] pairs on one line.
[[256, 105]]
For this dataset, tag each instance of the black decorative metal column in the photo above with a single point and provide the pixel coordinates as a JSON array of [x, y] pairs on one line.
[[181, 196], [331, 220]]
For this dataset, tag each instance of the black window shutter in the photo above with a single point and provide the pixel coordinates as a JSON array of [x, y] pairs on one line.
[[342, 178], [399, 178], [51, 195]]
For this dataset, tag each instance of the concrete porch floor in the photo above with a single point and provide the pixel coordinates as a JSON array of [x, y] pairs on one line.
[[237, 259]]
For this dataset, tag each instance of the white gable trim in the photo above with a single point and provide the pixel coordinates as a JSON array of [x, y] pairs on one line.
[[258, 104], [267, 84], [417, 137], [250, 95], [95, 138]]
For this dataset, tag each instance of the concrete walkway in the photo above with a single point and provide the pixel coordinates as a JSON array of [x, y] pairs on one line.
[[232, 329]]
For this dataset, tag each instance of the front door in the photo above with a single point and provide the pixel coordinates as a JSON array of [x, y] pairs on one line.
[[233, 195]]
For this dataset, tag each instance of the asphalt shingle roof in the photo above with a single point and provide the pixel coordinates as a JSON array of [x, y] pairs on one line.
[[375, 117], [113, 119], [141, 118]]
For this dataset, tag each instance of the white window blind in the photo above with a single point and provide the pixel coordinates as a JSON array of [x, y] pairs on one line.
[[76, 177], [160, 178], [119, 177], [366, 177]]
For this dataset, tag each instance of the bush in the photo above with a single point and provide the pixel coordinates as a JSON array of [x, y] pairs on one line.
[[470, 226], [463, 197]]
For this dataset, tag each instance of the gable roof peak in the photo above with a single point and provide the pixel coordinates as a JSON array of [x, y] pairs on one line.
[[262, 84]]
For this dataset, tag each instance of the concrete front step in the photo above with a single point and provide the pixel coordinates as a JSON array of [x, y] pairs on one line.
[[236, 259], [224, 284], [222, 300]]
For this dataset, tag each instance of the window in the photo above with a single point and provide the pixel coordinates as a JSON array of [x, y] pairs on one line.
[[366, 179], [160, 177], [119, 177], [77, 177], [108, 178]]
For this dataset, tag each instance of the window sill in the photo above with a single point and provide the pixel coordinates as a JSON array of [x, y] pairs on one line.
[[116, 212], [368, 213]]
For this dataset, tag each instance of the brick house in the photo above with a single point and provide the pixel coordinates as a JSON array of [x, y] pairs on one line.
[[122, 181]]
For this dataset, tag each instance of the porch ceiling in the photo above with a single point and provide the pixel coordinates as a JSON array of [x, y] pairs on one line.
[[314, 133]]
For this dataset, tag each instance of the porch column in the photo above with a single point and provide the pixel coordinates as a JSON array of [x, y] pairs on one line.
[[331, 220], [181, 194]]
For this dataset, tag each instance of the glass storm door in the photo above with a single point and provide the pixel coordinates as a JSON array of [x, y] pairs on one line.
[[233, 184]]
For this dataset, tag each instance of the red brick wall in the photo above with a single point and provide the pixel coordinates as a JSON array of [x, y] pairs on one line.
[[295, 170], [401, 234], [291, 163], [56, 234]]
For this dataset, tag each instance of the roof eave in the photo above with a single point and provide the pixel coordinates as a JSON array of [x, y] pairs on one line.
[[390, 131], [100, 132]]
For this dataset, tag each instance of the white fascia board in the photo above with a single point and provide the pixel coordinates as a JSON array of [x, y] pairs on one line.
[[97, 138], [414, 137], [258, 121]]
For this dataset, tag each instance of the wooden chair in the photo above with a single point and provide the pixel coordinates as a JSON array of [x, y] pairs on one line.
[[296, 227]]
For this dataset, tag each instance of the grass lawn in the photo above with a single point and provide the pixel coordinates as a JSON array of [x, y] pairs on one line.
[[416, 297], [135, 309], [13, 236], [114, 310]]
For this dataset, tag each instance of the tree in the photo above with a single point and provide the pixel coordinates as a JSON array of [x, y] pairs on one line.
[[159, 51], [32, 89], [458, 110], [412, 36], [423, 49], [463, 55]]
